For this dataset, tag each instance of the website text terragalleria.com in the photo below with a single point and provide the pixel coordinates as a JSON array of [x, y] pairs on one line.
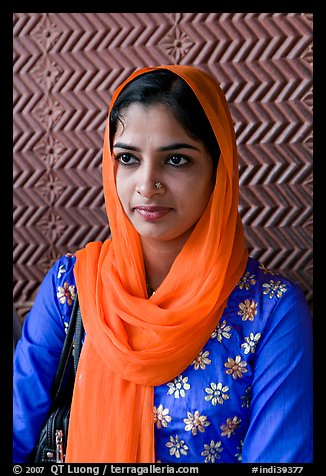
[[58, 469]]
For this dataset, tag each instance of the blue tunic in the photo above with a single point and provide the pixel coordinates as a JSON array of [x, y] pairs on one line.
[[247, 397]]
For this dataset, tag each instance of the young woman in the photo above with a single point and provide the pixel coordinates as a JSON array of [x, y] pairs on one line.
[[194, 352]]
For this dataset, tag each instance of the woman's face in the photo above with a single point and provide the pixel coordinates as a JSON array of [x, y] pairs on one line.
[[151, 147]]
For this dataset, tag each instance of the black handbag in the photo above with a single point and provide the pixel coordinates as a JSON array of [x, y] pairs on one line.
[[52, 442]]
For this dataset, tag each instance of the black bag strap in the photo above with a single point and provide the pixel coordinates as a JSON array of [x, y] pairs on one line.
[[79, 336], [73, 340]]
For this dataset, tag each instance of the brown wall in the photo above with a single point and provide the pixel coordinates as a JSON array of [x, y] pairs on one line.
[[66, 67]]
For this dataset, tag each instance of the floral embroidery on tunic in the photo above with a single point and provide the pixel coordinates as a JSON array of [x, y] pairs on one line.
[[177, 446], [61, 270], [250, 343], [235, 367], [248, 310], [212, 451], [265, 270], [195, 422], [66, 293], [201, 360], [230, 426], [247, 280], [178, 386], [217, 393], [246, 398], [274, 288], [161, 416], [239, 448], [222, 330]]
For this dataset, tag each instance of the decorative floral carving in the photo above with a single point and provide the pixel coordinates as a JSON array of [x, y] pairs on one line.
[[47, 72], [177, 44], [48, 111], [50, 187], [52, 225], [46, 33], [49, 149]]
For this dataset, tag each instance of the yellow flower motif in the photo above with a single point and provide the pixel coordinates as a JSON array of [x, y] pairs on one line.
[[222, 330], [178, 386], [248, 310], [235, 367], [273, 288], [161, 416], [230, 426], [212, 451], [66, 293], [195, 422], [247, 280], [217, 393], [177, 446], [201, 360], [265, 270]]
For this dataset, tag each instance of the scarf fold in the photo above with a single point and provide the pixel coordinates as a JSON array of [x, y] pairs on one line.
[[133, 343]]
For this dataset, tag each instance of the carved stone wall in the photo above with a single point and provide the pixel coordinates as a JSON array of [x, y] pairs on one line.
[[66, 67]]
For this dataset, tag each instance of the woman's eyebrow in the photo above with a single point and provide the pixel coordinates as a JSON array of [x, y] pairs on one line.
[[120, 145], [175, 146], [178, 145]]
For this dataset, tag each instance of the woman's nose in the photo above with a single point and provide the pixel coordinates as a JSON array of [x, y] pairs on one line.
[[149, 184]]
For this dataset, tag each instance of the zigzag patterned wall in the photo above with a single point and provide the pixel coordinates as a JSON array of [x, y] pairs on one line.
[[66, 67]]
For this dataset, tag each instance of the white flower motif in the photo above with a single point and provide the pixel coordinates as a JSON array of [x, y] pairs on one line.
[[250, 343], [177, 446], [212, 451], [66, 293], [61, 270], [217, 393], [178, 386], [195, 422], [161, 416]]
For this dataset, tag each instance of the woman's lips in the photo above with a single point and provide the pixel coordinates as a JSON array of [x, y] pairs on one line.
[[152, 213]]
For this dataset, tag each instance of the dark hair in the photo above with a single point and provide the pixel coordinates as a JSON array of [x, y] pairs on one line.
[[164, 87]]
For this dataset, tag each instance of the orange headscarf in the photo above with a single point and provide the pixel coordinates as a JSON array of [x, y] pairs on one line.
[[134, 343]]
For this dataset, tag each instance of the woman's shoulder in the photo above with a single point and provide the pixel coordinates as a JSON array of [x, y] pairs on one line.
[[62, 269], [59, 286], [63, 264], [266, 281], [263, 294]]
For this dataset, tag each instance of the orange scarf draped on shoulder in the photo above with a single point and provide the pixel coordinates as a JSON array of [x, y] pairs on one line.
[[133, 343]]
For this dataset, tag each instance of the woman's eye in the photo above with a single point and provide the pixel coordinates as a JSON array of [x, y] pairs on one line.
[[177, 161], [126, 159]]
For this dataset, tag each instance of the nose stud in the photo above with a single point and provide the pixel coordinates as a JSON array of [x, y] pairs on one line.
[[158, 185]]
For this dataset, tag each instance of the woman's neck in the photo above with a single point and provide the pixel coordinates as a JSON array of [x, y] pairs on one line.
[[158, 259]]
